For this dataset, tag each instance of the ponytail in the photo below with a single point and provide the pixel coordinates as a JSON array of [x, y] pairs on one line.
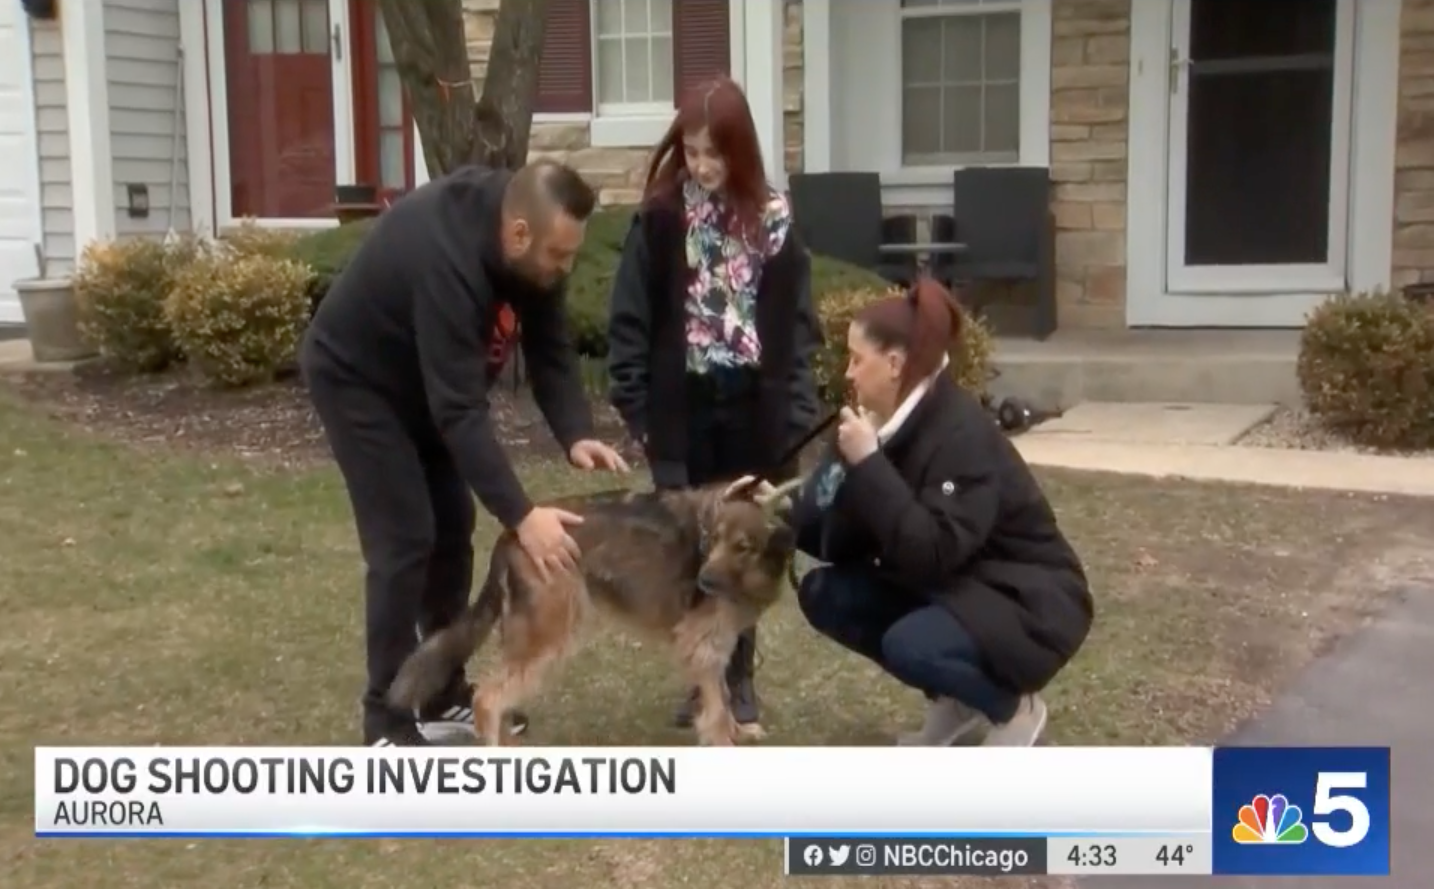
[[925, 322]]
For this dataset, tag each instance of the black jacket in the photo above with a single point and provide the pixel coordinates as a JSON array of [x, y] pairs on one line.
[[949, 509], [412, 316], [647, 349]]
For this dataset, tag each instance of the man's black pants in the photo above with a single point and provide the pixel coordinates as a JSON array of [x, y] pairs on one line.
[[415, 518]]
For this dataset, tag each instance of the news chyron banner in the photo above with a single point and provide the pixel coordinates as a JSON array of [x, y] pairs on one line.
[[842, 811]]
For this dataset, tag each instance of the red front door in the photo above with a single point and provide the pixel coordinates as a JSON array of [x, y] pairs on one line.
[[281, 107]]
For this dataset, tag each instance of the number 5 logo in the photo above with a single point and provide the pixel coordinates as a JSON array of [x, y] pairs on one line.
[[1328, 800]]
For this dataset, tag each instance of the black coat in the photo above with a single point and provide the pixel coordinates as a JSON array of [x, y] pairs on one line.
[[413, 315], [948, 509], [647, 348]]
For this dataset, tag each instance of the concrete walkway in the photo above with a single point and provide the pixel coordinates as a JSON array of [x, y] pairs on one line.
[[1331, 470], [1372, 690]]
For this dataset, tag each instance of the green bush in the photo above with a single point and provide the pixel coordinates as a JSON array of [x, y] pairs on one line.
[[590, 285], [239, 316], [326, 252], [591, 282], [970, 356], [120, 289], [1366, 369]]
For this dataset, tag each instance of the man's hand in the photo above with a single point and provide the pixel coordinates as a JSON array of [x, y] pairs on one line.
[[543, 534], [593, 454]]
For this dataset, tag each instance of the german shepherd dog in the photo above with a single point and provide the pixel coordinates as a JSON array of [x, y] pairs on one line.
[[691, 568]]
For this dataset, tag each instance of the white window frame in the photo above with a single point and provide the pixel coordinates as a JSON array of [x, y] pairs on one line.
[[627, 109], [639, 125], [862, 128], [965, 9]]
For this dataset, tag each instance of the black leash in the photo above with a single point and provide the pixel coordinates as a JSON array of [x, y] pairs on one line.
[[810, 436]]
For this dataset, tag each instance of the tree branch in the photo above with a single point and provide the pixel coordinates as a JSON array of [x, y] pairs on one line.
[[456, 126], [510, 88]]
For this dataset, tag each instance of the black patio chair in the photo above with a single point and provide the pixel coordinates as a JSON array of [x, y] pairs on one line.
[[839, 215], [1003, 216]]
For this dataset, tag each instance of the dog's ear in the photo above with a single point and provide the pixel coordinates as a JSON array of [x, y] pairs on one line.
[[744, 488], [782, 540]]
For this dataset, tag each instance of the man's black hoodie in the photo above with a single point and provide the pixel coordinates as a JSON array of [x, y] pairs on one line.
[[412, 317]]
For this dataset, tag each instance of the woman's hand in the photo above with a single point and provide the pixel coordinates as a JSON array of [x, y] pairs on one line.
[[856, 437]]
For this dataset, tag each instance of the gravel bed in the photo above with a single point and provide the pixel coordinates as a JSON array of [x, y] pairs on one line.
[[1295, 428]]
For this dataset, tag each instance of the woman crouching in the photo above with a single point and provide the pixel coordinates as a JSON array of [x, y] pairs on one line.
[[944, 561]]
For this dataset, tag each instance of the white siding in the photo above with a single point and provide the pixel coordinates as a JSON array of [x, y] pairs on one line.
[[147, 134], [53, 131]]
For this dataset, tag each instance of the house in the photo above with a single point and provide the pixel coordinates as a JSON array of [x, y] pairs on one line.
[[1212, 168]]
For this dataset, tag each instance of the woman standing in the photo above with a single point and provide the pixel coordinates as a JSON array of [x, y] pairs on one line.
[[946, 567], [712, 327]]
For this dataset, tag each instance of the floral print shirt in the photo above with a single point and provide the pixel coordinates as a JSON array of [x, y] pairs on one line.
[[727, 270]]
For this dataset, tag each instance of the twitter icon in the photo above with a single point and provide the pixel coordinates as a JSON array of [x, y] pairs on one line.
[[837, 855]]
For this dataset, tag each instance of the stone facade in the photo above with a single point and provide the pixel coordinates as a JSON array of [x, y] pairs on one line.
[[1414, 153], [792, 73], [1090, 99]]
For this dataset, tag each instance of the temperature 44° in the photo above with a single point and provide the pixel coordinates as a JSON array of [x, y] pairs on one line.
[[1174, 854]]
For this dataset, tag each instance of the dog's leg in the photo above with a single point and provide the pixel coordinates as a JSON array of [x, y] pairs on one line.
[[489, 705], [714, 722]]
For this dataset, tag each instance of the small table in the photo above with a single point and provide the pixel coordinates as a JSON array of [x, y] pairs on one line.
[[930, 248]]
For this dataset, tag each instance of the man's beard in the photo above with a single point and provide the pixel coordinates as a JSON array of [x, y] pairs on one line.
[[532, 274]]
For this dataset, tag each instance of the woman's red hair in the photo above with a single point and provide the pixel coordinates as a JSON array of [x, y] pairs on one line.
[[924, 322], [720, 107]]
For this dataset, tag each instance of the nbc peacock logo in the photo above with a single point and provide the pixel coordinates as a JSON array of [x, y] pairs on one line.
[[1270, 820]]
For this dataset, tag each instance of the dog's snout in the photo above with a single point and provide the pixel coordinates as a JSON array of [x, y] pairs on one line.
[[708, 584]]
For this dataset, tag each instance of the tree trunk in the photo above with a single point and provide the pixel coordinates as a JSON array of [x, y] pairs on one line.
[[456, 126]]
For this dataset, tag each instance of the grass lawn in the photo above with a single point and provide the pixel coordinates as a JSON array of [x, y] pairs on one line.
[[162, 598]]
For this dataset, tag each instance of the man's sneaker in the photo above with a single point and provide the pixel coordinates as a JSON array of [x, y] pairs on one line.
[[1022, 730], [450, 716], [397, 734], [948, 723]]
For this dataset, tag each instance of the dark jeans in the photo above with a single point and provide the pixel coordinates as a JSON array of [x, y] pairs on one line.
[[721, 444], [918, 642], [720, 439], [415, 519]]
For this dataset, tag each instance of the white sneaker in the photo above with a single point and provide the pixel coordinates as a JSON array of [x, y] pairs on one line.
[[948, 722], [1024, 729]]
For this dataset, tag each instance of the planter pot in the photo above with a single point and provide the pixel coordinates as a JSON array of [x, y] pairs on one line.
[[39, 9], [355, 194], [355, 202], [52, 320]]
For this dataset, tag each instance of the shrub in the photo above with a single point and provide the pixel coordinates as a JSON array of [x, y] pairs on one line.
[[120, 290], [591, 282], [1366, 369], [250, 239], [239, 317], [970, 356], [589, 287], [326, 252]]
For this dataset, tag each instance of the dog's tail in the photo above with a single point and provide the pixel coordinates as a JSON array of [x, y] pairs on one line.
[[428, 670]]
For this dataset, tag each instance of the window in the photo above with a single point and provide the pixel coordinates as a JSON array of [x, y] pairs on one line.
[[630, 58], [634, 55], [960, 82], [288, 27], [394, 126]]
